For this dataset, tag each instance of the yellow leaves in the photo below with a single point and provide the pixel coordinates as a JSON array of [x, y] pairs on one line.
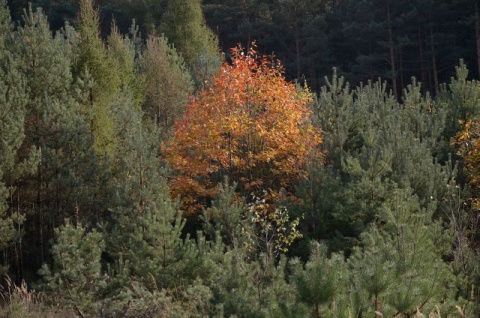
[[274, 232], [468, 141]]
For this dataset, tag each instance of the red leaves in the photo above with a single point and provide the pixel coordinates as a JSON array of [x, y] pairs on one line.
[[249, 124]]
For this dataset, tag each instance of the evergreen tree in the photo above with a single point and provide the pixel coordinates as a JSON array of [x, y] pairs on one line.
[[251, 288], [58, 12], [147, 13], [125, 52], [320, 282], [14, 163], [12, 114], [184, 25], [373, 146], [168, 85], [247, 278], [461, 98], [92, 58], [69, 177], [158, 249], [144, 232], [233, 21], [225, 216], [301, 29], [462, 204], [466, 258], [75, 277], [400, 269]]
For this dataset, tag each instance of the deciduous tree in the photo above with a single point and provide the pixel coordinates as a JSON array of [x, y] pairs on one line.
[[249, 124]]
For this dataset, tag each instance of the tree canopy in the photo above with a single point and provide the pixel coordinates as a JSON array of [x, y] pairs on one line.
[[249, 124]]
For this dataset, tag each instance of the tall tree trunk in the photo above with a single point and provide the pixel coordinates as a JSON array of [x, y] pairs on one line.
[[378, 306], [392, 53], [434, 60], [423, 73], [400, 67], [371, 69], [18, 246], [297, 52], [40, 218], [477, 34], [297, 45]]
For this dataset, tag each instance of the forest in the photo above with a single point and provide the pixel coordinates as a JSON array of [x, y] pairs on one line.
[[255, 158]]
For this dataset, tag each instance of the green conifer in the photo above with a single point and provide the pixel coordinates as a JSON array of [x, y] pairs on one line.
[[225, 216], [92, 58], [168, 83], [76, 277], [320, 282], [69, 178], [144, 232], [124, 52], [16, 161], [245, 281], [185, 27], [400, 268], [373, 146]]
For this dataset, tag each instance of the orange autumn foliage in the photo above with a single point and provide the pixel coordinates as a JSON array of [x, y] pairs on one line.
[[249, 124], [469, 141]]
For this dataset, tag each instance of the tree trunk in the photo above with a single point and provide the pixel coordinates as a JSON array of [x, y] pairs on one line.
[[378, 306], [434, 60], [297, 46], [400, 67], [392, 53], [423, 73], [477, 34]]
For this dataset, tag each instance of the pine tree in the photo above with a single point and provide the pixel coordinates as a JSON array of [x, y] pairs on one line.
[[168, 85], [251, 287], [205, 68], [320, 281], [226, 215], [301, 28], [6, 26], [125, 52], [247, 278], [373, 146], [92, 58], [17, 162], [463, 202], [400, 268], [75, 277], [148, 13], [461, 98], [11, 130], [69, 177], [144, 232], [185, 27]]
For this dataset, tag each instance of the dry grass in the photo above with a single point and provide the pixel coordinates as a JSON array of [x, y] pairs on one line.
[[20, 302]]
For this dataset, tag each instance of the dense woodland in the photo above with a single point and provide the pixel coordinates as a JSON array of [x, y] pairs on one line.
[[257, 158]]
